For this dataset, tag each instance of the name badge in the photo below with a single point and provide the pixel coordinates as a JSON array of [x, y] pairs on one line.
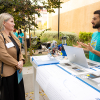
[[9, 45]]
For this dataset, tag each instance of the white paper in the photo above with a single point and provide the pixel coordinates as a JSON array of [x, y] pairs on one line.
[[42, 60], [60, 85], [96, 80]]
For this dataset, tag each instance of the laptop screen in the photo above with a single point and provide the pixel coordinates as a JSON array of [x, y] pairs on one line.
[[76, 55]]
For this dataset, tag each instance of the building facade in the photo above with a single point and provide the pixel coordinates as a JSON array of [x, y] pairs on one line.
[[75, 16]]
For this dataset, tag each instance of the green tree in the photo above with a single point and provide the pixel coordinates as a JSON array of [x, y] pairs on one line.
[[23, 11], [26, 8]]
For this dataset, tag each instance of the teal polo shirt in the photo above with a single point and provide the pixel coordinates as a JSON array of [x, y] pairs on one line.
[[95, 43]]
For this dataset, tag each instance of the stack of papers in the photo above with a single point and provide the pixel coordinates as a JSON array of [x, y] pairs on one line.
[[44, 60]]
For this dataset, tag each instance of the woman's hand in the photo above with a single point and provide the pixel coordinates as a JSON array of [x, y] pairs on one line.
[[20, 63], [19, 36], [20, 66]]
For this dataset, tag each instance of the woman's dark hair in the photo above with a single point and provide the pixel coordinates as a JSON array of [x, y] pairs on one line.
[[20, 31], [97, 12]]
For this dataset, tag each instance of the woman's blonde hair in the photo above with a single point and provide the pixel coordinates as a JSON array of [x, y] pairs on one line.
[[4, 17]]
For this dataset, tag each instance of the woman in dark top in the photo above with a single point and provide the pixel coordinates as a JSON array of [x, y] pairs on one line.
[[10, 55]]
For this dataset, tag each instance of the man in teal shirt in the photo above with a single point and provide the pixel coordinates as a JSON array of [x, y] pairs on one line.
[[95, 43], [94, 46]]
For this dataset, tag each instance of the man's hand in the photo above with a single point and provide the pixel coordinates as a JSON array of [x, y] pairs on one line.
[[88, 47], [79, 45]]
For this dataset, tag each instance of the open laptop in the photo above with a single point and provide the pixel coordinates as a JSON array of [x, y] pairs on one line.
[[77, 56]]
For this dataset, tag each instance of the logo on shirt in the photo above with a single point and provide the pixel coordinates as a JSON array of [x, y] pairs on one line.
[[93, 43]]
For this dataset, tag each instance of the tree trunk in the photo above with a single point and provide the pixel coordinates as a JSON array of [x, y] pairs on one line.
[[34, 26], [30, 41], [25, 45]]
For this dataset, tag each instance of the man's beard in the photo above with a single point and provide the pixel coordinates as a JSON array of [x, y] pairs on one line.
[[97, 25]]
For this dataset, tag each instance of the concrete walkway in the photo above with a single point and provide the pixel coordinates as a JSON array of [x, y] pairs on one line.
[[29, 85], [28, 79]]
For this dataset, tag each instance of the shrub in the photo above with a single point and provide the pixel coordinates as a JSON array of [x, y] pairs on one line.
[[53, 35], [85, 36]]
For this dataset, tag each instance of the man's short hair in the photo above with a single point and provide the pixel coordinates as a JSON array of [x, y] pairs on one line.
[[97, 12]]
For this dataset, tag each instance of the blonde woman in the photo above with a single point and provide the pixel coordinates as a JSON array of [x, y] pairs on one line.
[[10, 55]]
